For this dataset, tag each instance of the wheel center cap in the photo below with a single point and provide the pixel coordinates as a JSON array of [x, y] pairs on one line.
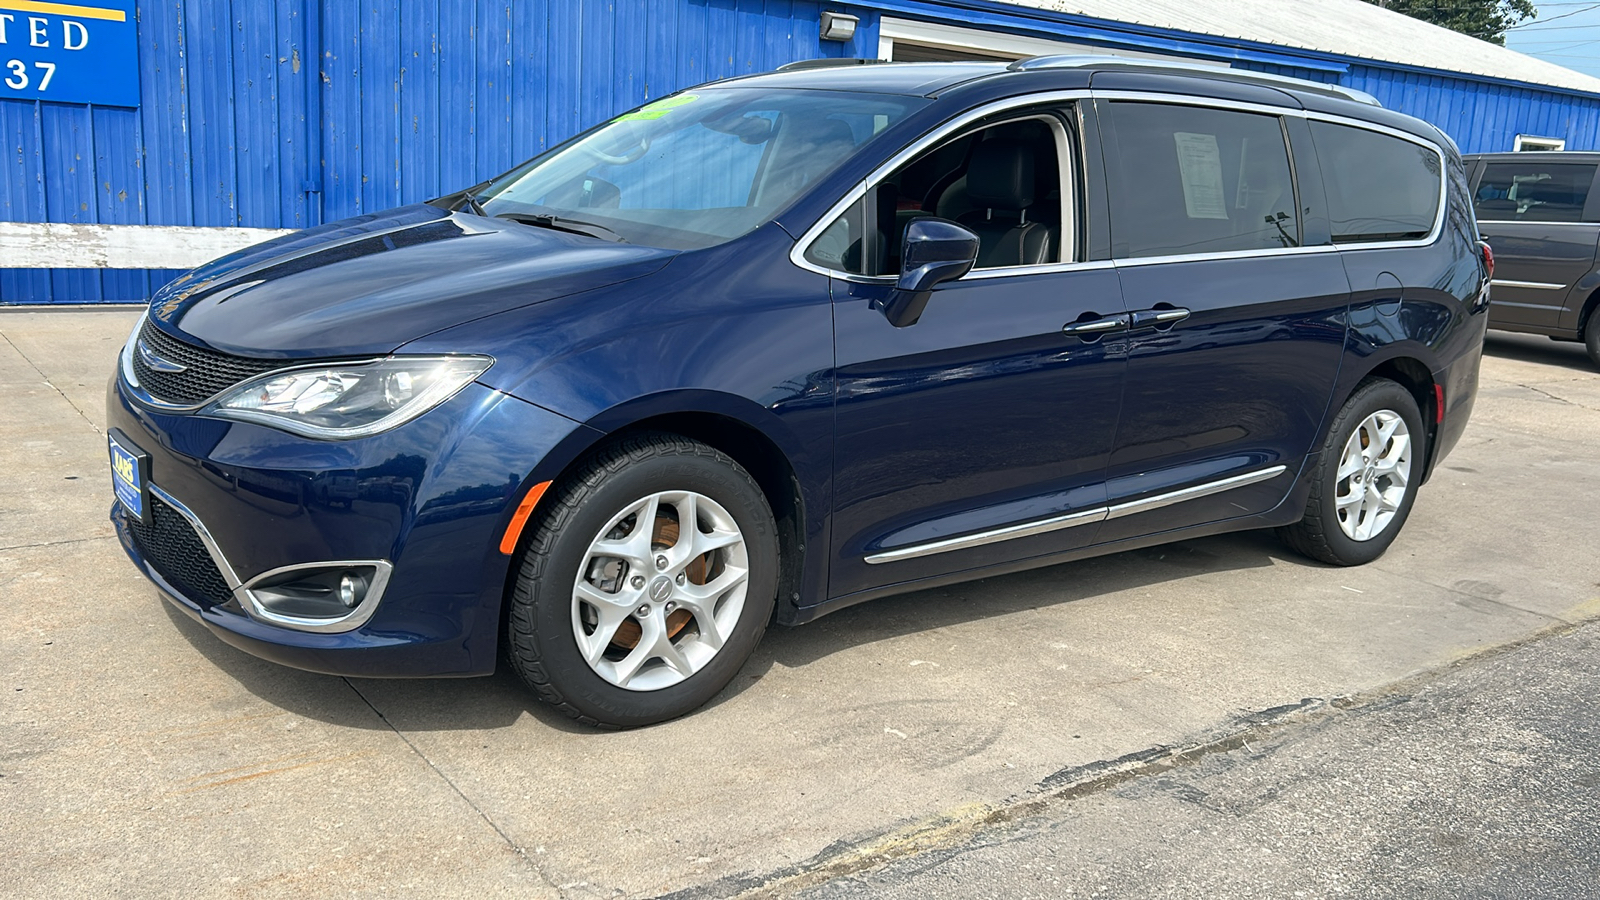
[[660, 588]]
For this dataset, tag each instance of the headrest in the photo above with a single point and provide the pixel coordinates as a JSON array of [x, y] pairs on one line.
[[1001, 175]]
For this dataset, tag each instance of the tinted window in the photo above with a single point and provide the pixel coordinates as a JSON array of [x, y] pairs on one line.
[[1380, 188], [1193, 180], [1534, 191]]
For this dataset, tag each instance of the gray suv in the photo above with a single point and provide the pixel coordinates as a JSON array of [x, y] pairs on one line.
[[1541, 214]]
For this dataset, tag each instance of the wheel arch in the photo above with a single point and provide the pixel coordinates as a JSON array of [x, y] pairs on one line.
[[1414, 375], [750, 434]]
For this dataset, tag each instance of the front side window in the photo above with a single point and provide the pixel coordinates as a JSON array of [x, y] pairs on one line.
[[1535, 191], [1380, 187], [1188, 179], [699, 168], [1003, 182]]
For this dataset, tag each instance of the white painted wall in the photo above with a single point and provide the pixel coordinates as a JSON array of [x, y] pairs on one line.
[[29, 245]]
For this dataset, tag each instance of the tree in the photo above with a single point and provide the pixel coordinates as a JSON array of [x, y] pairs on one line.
[[1486, 19]]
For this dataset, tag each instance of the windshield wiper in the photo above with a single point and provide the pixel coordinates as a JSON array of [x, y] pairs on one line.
[[472, 202], [562, 223]]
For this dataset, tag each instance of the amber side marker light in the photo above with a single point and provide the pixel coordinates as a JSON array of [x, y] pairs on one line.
[[508, 544]]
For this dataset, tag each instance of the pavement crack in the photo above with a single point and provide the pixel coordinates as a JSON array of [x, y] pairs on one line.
[[103, 537], [520, 851], [1553, 619], [46, 379], [1542, 391], [951, 834]]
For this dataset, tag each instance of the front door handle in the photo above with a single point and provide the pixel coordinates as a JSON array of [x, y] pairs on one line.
[[1089, 329], [1159, 318]]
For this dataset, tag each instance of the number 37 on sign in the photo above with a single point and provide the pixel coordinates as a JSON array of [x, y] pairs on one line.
[[83, 52]]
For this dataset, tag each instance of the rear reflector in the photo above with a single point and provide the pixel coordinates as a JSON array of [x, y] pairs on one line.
[[508, 544], [1438, 399]]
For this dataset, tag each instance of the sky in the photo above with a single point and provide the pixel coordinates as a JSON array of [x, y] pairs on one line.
[[1572, 40]]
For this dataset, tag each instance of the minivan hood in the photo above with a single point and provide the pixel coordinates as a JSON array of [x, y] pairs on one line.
[[366, 286]]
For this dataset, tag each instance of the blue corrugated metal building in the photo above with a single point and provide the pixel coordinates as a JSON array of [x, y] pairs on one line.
[[290, 113]]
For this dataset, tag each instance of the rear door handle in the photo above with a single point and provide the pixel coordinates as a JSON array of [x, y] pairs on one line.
[[1093, 328], [1158, 318]]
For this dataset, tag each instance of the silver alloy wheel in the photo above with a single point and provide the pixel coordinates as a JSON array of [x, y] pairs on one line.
[[1374, 475], [654, 600]]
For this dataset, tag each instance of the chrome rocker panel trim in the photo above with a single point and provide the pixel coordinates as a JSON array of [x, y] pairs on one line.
[[1081, 517]]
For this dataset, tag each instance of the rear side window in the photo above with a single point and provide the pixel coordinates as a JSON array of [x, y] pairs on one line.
[[1194, 180], [1533, 191], [1380, 188]]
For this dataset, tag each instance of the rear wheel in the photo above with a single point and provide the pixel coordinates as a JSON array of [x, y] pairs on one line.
[[1366, 478], [647, 584], [1591, 337]]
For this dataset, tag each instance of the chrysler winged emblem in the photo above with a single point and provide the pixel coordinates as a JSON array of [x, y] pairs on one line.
[[156, 362]]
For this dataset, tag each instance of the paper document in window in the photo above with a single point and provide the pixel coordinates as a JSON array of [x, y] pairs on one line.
[[1200, 164]]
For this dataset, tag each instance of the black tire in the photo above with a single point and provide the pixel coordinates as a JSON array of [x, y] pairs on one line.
[[539, 635], [1319, 535], [1591, 337]]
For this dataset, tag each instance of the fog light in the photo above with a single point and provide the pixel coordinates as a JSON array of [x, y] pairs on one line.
[[332, 596], [351, 589]]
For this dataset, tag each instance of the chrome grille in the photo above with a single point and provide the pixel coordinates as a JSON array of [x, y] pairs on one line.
[[206, 372], [171, 545]]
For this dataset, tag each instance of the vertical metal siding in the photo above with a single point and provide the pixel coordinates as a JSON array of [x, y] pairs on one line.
[[290, 113]]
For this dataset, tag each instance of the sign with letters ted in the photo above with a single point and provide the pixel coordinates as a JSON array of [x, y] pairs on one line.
[[80, 52]]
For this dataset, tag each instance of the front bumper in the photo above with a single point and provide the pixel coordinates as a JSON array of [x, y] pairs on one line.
[[426, 503]]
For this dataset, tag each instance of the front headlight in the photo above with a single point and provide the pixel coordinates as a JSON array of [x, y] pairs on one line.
[[349, 400]]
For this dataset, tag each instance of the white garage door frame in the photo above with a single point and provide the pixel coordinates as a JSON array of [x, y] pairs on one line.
[[999, 43]]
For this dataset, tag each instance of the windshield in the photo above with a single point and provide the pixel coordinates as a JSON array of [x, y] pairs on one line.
[[699, 168]]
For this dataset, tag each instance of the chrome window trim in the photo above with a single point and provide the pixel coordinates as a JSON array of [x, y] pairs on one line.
[[252, 607], [1072, 519], [797, 252], [1536, 285]]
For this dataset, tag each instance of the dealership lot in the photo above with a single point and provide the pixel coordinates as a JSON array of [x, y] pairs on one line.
[[137, 750]]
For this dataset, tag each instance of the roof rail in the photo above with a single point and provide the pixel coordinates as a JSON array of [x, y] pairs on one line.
[[826, 63], [1079, 61]]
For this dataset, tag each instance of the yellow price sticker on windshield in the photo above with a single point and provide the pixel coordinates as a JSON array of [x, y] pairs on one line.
[[657, 109]]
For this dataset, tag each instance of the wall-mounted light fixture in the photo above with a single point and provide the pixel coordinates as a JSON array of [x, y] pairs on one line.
[[839, 26]]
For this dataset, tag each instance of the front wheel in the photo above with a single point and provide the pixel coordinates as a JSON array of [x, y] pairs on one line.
[[646, 585], [1366, 478], [1591, 337]]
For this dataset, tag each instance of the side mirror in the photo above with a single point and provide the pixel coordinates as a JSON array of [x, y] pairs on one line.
[[935, 251]]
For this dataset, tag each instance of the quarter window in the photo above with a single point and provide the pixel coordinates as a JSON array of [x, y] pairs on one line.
[[1380, 188], [1533, 191], [1189, 179]]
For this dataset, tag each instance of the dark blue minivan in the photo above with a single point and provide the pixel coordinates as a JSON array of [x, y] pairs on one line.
[[776, 345]]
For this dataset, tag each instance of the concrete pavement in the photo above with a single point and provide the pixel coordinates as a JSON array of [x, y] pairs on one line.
[[141, 755]]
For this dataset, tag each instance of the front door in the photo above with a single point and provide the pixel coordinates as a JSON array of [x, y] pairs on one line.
[[978, 435]]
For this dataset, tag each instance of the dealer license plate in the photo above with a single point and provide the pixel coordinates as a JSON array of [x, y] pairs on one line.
[[130, 474]]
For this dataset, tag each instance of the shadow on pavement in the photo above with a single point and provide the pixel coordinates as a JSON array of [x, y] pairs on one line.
[[498, 701], [1536, 349]]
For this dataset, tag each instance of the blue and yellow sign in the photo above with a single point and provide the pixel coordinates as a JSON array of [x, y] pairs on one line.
[[85, 52]]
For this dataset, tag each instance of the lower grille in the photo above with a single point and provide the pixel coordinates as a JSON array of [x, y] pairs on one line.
[[172, 547]]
